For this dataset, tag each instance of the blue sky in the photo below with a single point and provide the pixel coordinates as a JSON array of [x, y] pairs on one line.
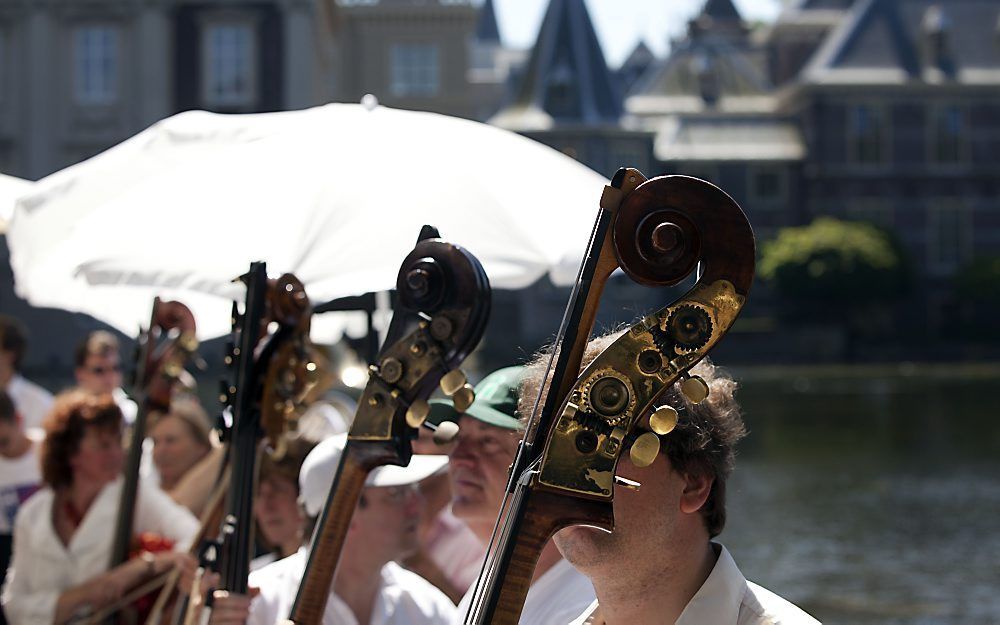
[[621, 24]]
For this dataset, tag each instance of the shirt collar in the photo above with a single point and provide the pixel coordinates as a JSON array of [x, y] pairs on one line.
[[719, 598]]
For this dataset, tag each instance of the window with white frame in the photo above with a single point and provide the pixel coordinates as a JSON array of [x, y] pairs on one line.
[[949, 235], [229, 70], [95, 50], [948, 134], [866, 134], [414, 70]]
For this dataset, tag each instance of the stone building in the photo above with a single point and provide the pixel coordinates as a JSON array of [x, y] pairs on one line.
[[77, 77], [567, 98]]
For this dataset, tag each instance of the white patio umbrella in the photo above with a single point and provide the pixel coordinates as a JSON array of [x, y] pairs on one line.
[[11, 188], [334, 194]]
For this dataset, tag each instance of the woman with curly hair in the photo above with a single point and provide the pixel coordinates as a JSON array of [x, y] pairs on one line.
[[63, 534]]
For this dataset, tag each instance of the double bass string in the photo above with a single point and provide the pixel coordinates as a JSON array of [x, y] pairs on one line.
[[514, 495]]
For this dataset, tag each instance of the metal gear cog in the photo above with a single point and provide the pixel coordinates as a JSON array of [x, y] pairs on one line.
[[609, 396], [690, 326]]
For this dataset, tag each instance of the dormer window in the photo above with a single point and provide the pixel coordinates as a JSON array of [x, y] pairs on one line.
[[935, 26], [561, 99]]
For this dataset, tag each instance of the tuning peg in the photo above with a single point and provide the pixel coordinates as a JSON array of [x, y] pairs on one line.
[[695, 389], [416, 414], [463, 398], [234, 315], [644, 449], [444, 433], [663, 420], [453, 381]]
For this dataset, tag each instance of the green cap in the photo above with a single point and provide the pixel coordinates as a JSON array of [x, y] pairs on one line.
[[495, 404]]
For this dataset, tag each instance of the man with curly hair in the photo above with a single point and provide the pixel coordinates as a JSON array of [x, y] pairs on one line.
[[660, 565]]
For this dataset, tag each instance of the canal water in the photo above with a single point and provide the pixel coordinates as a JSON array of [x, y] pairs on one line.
[[872, 495]]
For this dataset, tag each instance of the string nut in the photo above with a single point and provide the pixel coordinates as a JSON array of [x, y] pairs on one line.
[[391, 370], [441, 327]]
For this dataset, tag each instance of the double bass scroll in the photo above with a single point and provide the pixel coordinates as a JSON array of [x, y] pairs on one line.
[[657, 231], [444, 303]]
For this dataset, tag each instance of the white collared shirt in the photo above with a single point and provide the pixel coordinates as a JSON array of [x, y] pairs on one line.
[[43, 567], [555, 598], [32, 402], [727, 598], [404, 598]]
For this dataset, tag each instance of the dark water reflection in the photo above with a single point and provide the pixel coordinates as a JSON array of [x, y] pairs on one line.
[[872, 496]]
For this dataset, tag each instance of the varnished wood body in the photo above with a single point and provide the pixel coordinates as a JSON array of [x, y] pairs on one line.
[[539, 515], [356, 462]]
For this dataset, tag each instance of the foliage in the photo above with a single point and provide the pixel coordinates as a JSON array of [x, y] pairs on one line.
[[979, 281], [838, 261]]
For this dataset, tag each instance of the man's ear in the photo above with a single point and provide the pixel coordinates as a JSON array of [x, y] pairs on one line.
[[697, 487]]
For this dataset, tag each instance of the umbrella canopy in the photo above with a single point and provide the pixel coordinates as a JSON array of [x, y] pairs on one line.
[[334, 194], [11, 188]]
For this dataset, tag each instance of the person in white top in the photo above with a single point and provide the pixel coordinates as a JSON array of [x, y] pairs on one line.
[[63, 534], [369, 588], [659, 564], [19, 474], [31, 400], [98, 369], [485, 447]]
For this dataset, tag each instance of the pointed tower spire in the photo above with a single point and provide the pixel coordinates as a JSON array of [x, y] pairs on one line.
[[567, 79], [487, 30], [721, 10]]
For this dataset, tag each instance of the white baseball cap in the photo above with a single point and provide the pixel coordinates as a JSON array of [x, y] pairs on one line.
[[320, 467]]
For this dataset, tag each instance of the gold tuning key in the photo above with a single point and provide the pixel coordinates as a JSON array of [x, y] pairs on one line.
[[463, 398], [644, 449], [417, 413], [453, 381], [695, 389], [663, 420]]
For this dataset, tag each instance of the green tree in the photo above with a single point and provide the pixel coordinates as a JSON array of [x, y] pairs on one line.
[[839, 272], [979, 281], [835, 262]]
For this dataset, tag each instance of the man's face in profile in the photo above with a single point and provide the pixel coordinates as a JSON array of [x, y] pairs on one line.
[[478, 467]]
